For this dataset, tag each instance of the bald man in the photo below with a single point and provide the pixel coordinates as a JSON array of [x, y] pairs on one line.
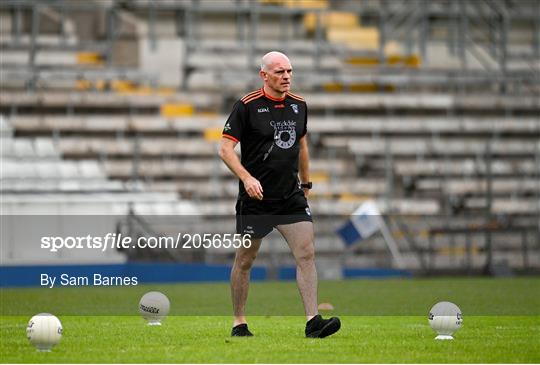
[[271, 126]]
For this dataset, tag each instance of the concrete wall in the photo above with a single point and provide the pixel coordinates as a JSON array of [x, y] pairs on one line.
[[164, 60]]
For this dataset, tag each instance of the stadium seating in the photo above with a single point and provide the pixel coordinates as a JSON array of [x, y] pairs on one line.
[[423, 129]]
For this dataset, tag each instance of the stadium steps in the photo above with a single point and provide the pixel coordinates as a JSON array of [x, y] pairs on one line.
[[34, 179], [350, 102], [175, 110], [46, 58], [422, 147], [467, 167], [309, 4], [322, 206], [73, 78], [380, 125], [294, 47], [99, 203], [29, 147], [420, 101], [227, 187], [37, 168], [35, 165], [509, 206], [45, 185], [6, 133], [44, 41], [102, 100], [77, 147], [239, 60], [405, 125], [474, 186], [399, 206], [201, 168]]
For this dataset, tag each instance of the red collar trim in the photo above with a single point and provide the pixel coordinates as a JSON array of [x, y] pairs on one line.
[[271, 98]]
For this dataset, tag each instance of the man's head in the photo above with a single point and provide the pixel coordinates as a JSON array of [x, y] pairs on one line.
[[276, 72]]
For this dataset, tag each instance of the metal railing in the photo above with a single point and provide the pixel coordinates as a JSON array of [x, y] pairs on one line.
[[477, 30]]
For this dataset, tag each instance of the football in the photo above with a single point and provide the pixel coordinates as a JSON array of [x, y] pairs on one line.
[[445, 318], [44, 331], [154, 306]]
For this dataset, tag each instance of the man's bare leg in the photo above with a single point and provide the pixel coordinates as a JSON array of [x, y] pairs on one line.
[[243, 262], [299, 237]]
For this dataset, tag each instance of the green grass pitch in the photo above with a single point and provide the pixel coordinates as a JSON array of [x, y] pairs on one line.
[[382, 321]]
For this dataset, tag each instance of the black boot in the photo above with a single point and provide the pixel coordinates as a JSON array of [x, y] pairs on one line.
[[317, 327], [241, 331]]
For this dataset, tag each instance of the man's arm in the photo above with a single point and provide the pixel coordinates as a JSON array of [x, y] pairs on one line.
[[303, 163], [226, 152]]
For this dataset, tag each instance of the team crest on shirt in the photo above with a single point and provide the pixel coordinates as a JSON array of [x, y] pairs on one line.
[[284, 133], [294, 108]]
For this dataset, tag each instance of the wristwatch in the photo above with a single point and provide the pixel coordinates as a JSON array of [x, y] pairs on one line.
[[308, 185]]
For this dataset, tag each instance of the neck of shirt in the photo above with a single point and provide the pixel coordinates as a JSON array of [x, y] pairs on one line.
[[271, 97]]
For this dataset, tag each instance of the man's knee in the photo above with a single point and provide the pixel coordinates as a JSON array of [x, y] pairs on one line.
[[306, 253], [244, 261]]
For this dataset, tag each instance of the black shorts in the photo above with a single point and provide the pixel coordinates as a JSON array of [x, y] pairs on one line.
[[258, 218]]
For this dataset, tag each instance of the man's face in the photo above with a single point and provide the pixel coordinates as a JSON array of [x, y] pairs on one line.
[[278, 75]]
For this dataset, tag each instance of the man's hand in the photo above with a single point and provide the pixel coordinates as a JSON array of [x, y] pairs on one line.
[[306, 192], [253, 188], [226, 152]]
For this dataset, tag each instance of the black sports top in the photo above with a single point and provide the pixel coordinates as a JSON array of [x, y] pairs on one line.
[[269, 131]]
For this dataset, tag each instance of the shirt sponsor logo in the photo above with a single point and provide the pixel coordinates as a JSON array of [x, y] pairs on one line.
[[284, 133], [294, 108], [263, 110]]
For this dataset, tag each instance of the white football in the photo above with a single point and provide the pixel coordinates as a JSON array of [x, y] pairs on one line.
[[445, 318], [44, 331], [154, 306]]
